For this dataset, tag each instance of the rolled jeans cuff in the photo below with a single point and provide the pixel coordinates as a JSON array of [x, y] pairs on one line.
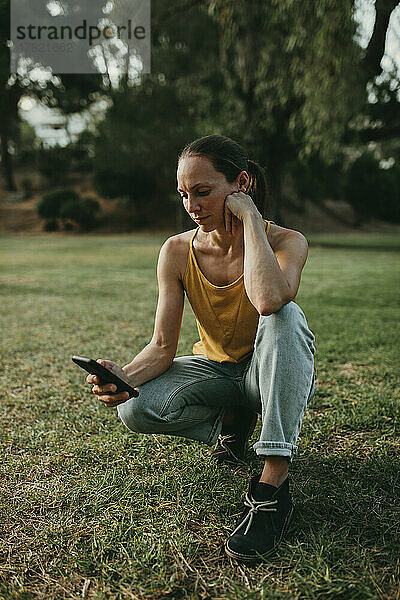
[[275, 449]]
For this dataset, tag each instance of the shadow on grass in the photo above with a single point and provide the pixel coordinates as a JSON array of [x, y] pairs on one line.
[[349, 500]]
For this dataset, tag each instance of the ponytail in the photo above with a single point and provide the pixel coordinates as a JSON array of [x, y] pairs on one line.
[[257, 188]]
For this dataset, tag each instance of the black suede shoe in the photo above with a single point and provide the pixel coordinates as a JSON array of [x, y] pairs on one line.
[[261, 526], [232, 442]]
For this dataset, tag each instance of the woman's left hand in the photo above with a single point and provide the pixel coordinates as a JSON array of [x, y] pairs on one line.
[[237, 206]]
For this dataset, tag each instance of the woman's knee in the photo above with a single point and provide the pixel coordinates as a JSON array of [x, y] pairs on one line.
[[287, 319], [287, 314], [134, 415], [152, 411], [143, 414], [286, 326]]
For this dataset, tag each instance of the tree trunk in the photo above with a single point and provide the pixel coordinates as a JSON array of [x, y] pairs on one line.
[[377, 43], [6, 162]]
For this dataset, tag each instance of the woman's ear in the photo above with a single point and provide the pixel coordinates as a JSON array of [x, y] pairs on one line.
[[243, 181]]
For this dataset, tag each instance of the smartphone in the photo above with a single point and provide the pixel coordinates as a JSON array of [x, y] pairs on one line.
[[104, 375]]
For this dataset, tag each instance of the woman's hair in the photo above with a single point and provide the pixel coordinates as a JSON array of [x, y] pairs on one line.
[[229, 158]]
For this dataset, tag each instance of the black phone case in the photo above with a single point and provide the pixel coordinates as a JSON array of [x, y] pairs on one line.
[[104, 375]]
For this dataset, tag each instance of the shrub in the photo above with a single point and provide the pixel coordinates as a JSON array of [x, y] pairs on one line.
[[66, 204], [50, 204], [51, 225], [81, 211]]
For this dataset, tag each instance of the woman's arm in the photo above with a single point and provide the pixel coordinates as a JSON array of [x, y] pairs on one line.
[[157, 356], [271, 277]]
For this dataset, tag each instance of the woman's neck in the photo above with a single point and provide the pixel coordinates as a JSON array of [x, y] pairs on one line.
[[222, 240]]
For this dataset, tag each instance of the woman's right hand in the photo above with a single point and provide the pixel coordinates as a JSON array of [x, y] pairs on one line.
[[103, 391]]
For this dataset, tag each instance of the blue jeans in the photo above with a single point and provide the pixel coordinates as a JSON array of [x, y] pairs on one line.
[[278, 381]]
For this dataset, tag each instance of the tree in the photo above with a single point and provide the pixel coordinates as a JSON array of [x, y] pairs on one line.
[[378, 119], [70, 93], [291, 93], [151, 119]]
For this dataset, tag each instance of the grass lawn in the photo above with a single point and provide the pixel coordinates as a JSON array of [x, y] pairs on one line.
[[90, 510]]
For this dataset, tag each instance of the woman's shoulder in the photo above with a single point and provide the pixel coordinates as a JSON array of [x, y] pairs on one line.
[[277, 235], [178, 247], [181, 241]]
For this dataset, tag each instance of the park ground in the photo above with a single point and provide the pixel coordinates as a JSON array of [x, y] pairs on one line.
[[90, 510]]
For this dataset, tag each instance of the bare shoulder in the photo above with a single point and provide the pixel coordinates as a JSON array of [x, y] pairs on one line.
[[280, 237], [175, 251]]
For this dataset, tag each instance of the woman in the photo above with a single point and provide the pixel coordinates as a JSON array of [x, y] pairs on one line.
[[256, 352]]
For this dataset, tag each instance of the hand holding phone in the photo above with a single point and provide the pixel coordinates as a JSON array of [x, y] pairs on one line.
[[107, 379]]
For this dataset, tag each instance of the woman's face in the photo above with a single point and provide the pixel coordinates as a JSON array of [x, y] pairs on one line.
[[203, 190]]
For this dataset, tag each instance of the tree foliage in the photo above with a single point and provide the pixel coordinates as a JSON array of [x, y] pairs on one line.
[[151, 120], [288, 80], [70, 93]]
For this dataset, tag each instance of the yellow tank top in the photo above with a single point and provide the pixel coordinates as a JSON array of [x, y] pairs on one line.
[[226, 319]]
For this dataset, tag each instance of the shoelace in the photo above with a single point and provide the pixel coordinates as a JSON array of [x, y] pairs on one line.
[[224, 438], [255, 506]]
